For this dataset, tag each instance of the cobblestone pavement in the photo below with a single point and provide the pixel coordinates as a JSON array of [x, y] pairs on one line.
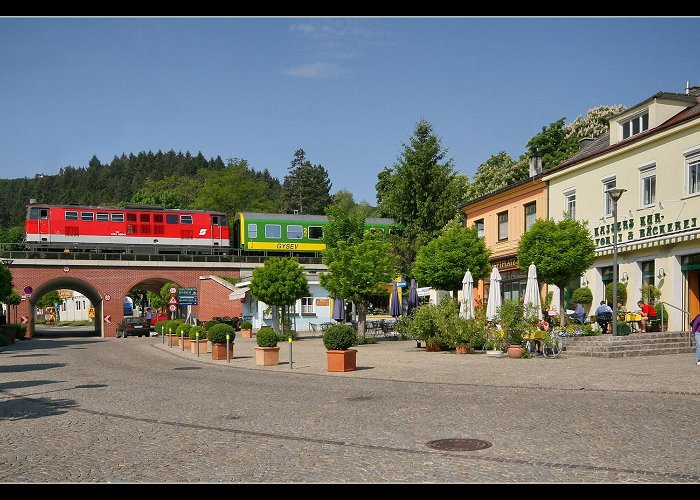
[[134, 410]]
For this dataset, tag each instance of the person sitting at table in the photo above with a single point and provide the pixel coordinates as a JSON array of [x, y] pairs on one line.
[[579, 314], [621, 311], [648, 313], [603, 315]]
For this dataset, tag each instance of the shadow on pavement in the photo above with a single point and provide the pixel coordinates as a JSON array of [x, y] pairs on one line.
[[17, 384], [29, 368], [28, 408]]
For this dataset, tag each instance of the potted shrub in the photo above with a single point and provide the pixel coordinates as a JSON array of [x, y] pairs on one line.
[[425, 326], [183, 333], [267, 353], [195, 338], [170, 327], [217, 337], [494, 342], [338, 339], [511, 316], [246, 329]]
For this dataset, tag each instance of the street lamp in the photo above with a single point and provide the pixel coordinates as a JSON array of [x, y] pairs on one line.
[[615, 195]]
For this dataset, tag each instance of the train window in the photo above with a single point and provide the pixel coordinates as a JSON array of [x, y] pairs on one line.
[[294, 232], [131, 217], [223, 220], [171, 219], [315, 233], [145, 217], [214, 220], [273, 231], [88, 216], [252, 230], [158, 218], [102, 216], [70, 215], [185, 219], [117, 217], [33, 214], [44, 213]]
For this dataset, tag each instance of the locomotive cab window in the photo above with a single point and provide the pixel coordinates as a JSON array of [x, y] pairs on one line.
[[70, 215], [171, 219], [117, 217], [273, 231], [294, 232], [217, 220], [185, 219], [88, 216], [102, 217], [38, 213], [315, 232]]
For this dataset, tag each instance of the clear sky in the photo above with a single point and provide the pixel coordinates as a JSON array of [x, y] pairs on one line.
[[349, 91]]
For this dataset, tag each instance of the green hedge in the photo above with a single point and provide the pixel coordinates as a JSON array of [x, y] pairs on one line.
[[217, 333], [339, 337], [183, 329], [193, 333], [210, 323], [266, 337]]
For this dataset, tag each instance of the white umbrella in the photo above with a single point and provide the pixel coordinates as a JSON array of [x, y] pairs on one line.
[[494, 294], [466, 308], [532, 290]]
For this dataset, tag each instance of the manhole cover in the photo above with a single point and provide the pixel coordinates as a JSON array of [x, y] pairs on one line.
[[459, 444], [360, 398], [188, 368]]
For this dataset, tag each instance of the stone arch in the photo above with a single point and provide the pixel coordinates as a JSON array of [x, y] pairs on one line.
[[71, 284]]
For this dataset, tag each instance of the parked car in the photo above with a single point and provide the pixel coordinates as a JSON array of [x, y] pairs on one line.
[[160, 316], [133, 326]]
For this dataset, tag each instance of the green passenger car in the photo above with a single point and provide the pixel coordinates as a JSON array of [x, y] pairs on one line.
[[287, 232]]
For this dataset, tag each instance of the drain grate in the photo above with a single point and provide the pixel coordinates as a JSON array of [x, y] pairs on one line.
[[188, 368], [459, 444]]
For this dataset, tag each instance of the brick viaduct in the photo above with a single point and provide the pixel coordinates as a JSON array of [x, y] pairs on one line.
[[106, 283]]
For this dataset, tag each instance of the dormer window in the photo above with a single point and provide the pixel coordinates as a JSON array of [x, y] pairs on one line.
[[635, 125]]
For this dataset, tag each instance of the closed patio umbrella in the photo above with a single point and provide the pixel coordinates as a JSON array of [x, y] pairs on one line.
[[338, 309], [412, 296], [466, 308], [395, 306], [495, 299], [532, 290]]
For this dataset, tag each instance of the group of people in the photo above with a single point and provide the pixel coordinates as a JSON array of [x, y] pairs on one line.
[[604, 314]]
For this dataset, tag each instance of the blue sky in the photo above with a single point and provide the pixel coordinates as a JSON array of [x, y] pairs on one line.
[[349, 91]]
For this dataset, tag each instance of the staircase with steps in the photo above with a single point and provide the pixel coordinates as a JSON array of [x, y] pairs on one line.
[[635, 344]]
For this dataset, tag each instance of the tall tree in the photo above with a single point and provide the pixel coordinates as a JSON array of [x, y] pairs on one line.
[[279, 282], [495, 173], [553, 145], [441, 264], [562, 252], [356, 270], [420, 192], [306, 187], [594, 124], [343, 225]]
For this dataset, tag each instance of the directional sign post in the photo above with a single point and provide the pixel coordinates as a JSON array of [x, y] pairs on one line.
[[108, 318], [187, 296]]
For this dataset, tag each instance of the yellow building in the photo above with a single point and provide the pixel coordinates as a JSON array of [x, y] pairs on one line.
[[652, 150]]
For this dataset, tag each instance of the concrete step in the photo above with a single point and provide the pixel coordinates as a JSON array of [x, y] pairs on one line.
[[636, 344], [632, 352]]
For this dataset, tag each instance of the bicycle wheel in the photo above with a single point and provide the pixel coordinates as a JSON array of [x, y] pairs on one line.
[[552, 347]]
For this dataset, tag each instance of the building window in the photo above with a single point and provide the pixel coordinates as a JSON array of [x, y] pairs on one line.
[[294, 232], [570, 203], [307, 305], [315, 233], [638, 124], [252, 230], [648, 187], [185, 219], [693, 169], [530, 215], [606, 275], [102, 217], [172, 218], [117, 217], [71, 215], [273, 231], [607, 201], [648, 272], [479, 228], [503, 226]]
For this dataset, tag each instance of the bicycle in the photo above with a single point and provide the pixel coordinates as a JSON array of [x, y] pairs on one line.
[[552, 344]]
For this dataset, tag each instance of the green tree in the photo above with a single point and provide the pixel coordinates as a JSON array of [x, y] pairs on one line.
[[553, 144], [49, 299], [12, 302], [279, 282], [171, 192], [594, 124], [357, 269], [345, 200], [441, 264], [343, 225], [420, 192], [495, 173], [161, 299], [306, 187], [5, 284], [562, 251]]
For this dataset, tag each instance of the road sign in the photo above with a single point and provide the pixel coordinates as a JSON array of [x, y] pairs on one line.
[[401, 284], [108, 297], [28, 290], [172, 301], [187, 296], [172, 307], [173, 290], [108, 318], [25, 296], [24, 320]]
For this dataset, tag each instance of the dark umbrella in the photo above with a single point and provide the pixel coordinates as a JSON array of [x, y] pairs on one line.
[[395, 307], [412, 296], [338, 309]]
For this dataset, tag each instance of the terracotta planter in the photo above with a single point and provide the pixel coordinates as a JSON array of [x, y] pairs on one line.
[[515, 351], [432, 347], [342, 361], [172, 338], [186, 343], [246, 334], [267, 356], [218, 351], [202, 346], [463, 348]]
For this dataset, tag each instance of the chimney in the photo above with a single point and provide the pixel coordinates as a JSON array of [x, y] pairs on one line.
[[584, 142], [535, 164]]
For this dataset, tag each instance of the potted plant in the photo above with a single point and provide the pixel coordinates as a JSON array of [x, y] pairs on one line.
[[197, 335], [267, 353], [246, 329], [494, 342], [425, 326], [217, 336], [170, 327], [338, 339], [511, 316], [183, 333]]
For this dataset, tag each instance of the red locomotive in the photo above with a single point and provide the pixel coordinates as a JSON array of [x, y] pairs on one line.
[[130, 229]]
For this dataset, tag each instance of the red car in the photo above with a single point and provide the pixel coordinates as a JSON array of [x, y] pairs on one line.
[[156, 317]]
